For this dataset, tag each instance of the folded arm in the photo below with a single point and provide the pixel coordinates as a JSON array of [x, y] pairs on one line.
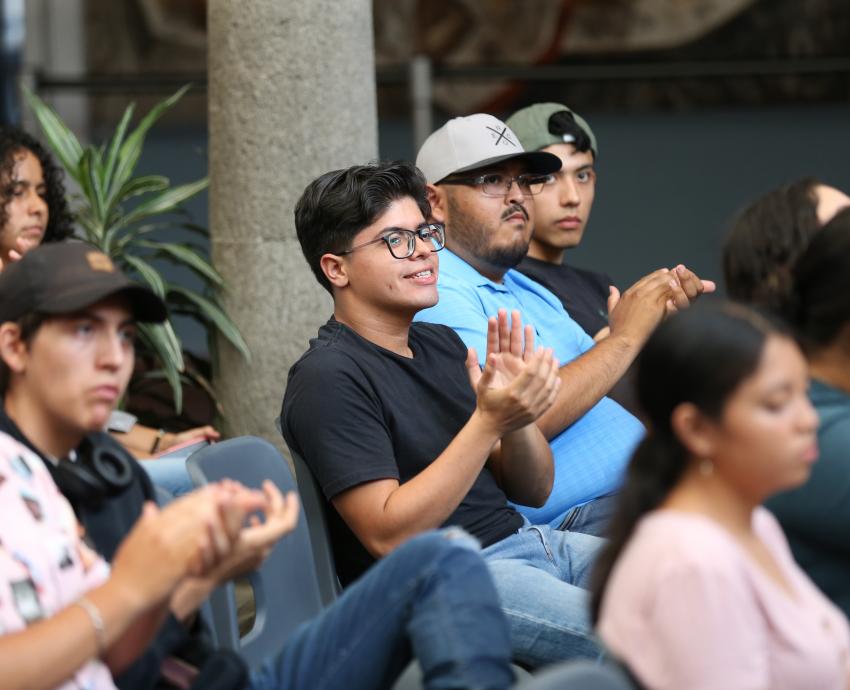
[[634, 317]]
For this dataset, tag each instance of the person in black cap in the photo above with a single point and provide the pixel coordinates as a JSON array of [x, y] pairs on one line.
[[562, 211], [34, 211], [67, 324], [481, 186]]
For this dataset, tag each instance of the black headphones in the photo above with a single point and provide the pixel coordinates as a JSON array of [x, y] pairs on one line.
[[94, 472]]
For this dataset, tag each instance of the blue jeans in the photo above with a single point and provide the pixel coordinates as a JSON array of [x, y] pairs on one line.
[[170, 474], [433, 596], [542, 577], [592, 517]]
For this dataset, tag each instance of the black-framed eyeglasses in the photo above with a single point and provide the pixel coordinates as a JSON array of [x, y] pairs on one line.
[[497, 184], [402, 243]]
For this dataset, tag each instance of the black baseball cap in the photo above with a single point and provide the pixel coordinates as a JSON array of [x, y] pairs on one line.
[[64, 277]]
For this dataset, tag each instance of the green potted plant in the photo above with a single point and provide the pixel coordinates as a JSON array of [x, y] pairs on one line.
[[120, 214]]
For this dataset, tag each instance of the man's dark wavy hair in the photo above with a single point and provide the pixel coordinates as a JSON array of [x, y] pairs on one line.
[[337, 205], [60, 223]]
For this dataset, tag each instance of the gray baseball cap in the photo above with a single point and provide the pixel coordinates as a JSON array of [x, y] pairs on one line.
[[531, 126], [474, 141]]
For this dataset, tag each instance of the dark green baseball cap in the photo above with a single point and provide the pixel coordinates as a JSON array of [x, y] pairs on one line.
[[64, 277], [531, 125]]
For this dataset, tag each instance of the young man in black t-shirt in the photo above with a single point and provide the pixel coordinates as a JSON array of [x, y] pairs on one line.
[[401, 428], [67, 321], [562, 210]]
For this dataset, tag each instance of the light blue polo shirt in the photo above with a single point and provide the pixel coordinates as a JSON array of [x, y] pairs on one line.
[[591, 454]]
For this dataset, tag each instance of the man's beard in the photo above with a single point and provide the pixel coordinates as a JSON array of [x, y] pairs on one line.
[[506, 257], [475, 239]]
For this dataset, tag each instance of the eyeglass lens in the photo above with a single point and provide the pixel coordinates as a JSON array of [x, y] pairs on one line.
[[499, 185], [402, 243]]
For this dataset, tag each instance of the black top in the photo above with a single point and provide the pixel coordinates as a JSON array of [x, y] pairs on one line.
[[106, 525], [357, 412], [583, 293]]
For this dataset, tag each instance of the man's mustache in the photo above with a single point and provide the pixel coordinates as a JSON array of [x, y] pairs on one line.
[[514, 209]]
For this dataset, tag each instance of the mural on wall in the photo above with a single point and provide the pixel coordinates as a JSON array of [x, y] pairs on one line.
[[463, 33], [169, 37], [467, 33]]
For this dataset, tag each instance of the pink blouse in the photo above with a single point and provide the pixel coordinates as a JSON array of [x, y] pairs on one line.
[[688, 607], [44, 565]]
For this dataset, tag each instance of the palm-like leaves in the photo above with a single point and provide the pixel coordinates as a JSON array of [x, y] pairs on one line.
[[105, 176]]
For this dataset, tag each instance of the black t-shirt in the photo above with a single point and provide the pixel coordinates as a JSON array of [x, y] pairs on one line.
[[357, 412], [107, 523], [583, 293]]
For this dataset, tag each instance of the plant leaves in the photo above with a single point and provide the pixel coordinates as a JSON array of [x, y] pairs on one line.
[[197, 229], [61, 139], [114, 148], [217, 316], [158, 339], [147, 272], [163, 202], [186, 256], [136, 186], [90, 165], [131, 149], [140, 185]]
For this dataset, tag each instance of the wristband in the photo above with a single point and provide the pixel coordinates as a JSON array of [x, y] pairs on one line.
[[159, 434], [97, 622]]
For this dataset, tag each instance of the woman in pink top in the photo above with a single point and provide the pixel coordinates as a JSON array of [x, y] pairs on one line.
[[697, 589], [65, 621]]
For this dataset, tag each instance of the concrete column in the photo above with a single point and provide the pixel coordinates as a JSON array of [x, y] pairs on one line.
[[291, 95]]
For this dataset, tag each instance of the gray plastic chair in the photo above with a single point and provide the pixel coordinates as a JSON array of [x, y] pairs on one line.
[[285, 587], [313, 503]]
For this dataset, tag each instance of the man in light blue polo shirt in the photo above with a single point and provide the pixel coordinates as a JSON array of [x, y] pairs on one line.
[[480, 188]]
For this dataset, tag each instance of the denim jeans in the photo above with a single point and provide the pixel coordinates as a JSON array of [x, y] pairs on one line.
[[592, 517], [170, 474], [432, 597], [542, 577]]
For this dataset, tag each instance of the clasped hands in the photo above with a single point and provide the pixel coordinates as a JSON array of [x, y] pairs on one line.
[[212, 534], [646, 303], [518, 382]]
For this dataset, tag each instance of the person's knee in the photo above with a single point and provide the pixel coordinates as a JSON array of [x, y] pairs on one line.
[[434, 544], [451, 549]]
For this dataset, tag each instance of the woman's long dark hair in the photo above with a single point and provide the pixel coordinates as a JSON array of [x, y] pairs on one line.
[[765, 240], [820, 304], [60, 223], [699, 356]]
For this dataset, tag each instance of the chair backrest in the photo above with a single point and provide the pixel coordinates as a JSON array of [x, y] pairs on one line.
[[313, 502], [285, 587]]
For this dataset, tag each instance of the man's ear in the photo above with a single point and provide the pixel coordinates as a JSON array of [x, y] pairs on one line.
[[694, 430], [334, 268], [13, 350], [437, 198]]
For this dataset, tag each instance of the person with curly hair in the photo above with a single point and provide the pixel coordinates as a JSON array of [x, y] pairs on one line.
[[33, 207]]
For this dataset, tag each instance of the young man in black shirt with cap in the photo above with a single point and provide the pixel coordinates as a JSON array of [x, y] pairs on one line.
[[562, 211]]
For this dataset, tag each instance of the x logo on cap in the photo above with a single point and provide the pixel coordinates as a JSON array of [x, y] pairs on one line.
[[501, 135]]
